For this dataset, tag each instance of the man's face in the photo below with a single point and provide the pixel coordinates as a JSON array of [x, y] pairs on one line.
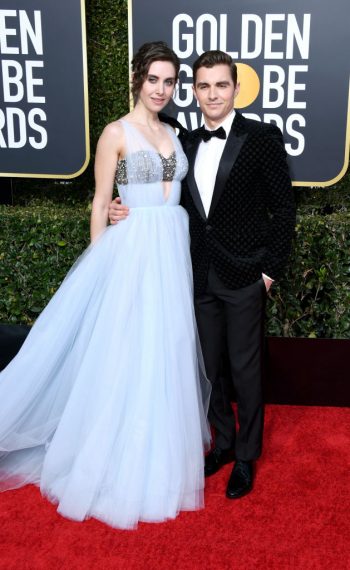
[[215, 93]]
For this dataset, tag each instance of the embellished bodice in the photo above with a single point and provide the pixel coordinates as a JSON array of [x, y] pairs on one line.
[[145, 172], [145, 177]]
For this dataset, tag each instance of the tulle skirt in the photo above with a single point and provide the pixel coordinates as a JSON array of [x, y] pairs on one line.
[[104, 407]]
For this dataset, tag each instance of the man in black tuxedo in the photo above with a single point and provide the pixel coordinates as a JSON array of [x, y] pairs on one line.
[[240, 203], [241, 211]]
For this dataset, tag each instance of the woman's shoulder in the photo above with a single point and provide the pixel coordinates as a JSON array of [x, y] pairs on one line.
[[112, 139], [113, 134], [114, 128]]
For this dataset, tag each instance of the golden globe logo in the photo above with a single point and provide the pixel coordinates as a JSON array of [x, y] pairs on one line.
[[249, 85]]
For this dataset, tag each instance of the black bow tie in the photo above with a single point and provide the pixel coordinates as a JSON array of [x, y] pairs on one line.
[[207, 135]]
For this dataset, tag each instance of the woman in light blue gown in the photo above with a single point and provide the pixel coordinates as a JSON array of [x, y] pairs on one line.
[[103, 406]]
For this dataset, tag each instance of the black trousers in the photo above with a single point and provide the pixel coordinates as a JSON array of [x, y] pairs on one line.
[[232, 320]]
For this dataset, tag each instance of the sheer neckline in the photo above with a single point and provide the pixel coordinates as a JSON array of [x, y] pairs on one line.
[[148, 142], [167, 159]]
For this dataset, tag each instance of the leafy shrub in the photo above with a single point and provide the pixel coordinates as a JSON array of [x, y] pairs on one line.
[[313, 299], [37, 247], [39, 244]]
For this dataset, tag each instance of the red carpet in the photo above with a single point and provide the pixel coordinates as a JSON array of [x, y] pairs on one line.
[[297, 517]]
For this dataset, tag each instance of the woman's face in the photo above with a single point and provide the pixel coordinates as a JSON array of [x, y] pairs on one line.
[[158, 87]]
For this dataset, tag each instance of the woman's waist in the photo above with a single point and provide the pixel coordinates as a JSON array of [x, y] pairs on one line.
[[150, 195], [156, 208]]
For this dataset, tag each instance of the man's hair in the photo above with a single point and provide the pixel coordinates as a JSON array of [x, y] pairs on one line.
[[215, 57], [143, 59]]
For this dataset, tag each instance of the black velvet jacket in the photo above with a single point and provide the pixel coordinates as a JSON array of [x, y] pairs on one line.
[[252, 216]]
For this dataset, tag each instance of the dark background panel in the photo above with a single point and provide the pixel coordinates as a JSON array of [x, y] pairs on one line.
[[63, 88], [327, 78]]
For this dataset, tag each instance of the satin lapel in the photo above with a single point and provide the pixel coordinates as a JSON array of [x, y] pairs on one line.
[[191, 153], [229, 157]]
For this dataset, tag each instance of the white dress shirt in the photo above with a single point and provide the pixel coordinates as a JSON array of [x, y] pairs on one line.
[[207, 162]]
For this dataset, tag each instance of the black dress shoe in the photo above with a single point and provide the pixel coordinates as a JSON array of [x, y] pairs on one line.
[[241, 480], [216, 459]]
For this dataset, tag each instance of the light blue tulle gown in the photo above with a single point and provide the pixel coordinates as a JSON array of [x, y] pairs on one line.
[[103, 406]]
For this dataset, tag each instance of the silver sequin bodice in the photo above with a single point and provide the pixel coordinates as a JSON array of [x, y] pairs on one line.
[[146, 171]]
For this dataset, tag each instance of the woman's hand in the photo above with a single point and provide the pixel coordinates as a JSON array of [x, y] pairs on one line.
[[117, 212]]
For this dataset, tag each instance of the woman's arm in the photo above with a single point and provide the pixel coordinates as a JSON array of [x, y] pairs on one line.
[[109, 149]]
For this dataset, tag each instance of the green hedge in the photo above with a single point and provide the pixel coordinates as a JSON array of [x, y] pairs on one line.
[[39, 244], [108, 66], [313, 299]]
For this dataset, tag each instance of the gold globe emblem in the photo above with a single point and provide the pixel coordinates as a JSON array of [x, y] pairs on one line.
[[250, 85]]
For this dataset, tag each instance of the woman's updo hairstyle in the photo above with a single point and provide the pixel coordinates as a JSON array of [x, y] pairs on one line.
[[143, 59]]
